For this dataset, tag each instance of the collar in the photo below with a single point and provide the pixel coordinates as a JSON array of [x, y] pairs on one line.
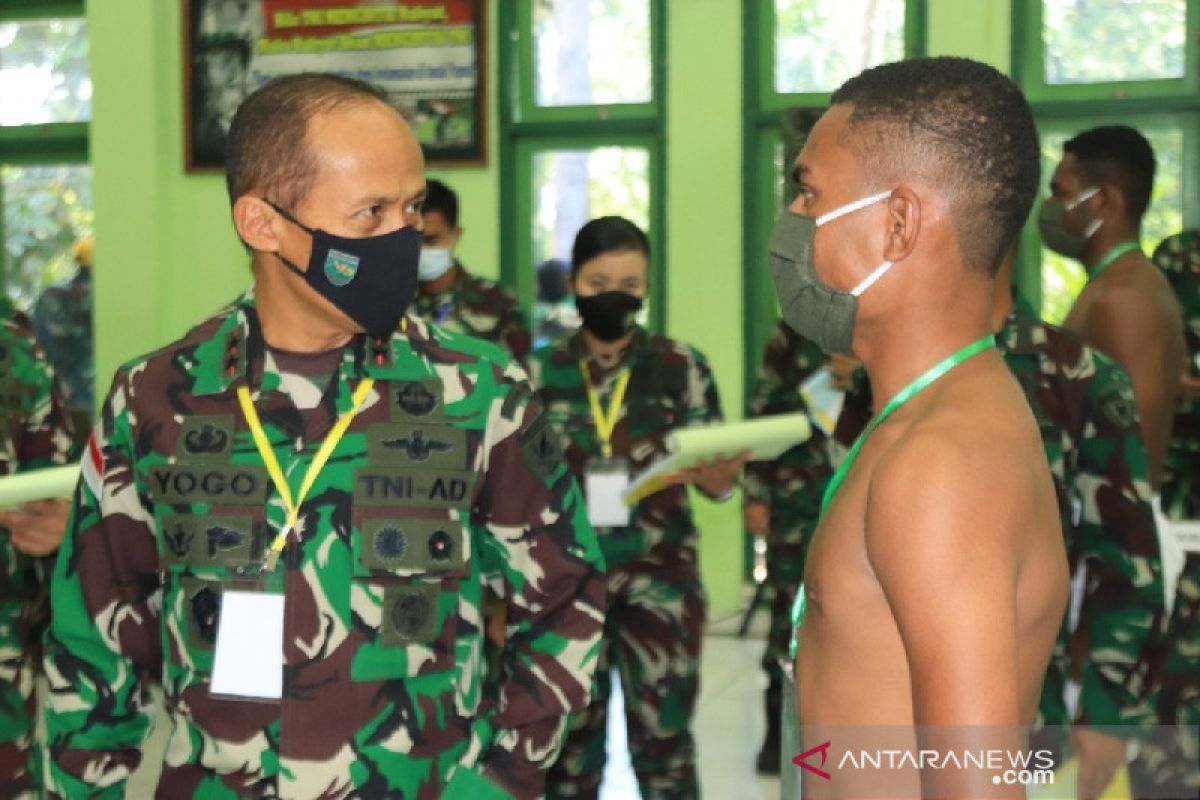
[[235, 354], [576, 349]]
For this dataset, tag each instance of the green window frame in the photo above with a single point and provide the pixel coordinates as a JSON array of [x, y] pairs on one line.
[[1078, 107], [527, 129], [1028, 60], [765, 190], [48, 143]]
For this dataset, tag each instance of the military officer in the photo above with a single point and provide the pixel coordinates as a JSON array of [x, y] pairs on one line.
[[453, 298], [287, 517], [37, 433]]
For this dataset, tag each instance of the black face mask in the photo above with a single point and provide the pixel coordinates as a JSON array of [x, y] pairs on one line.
[[609, 315], [371, 280]]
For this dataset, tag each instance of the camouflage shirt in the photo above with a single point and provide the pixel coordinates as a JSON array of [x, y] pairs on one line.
[[37, 433], [480, 308], [1179, 259], [62, 321], [1084, 407], [446, 480], [670, 386], [792, 485]]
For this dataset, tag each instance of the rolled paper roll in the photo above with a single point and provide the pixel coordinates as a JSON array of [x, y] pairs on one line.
[[42, 484]]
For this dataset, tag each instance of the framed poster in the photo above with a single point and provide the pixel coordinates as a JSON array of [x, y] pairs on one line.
[[428, 55]]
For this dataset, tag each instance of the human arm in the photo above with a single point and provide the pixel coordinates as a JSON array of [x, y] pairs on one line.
[[103, 644], [942, 525], [542, 560]]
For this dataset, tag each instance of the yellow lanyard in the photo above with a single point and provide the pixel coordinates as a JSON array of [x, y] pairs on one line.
[[314, 468], [605, 423]]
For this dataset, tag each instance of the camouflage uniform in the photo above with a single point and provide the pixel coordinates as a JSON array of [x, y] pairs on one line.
[[480, 308], [1177, 701], [37, 433], [446, 479], [62, 321], [1083, 403], [656, 613], [791, 486]]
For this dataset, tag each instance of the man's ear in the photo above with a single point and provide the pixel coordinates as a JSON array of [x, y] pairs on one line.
[[257, 223], [903, 223], [1110, 203]]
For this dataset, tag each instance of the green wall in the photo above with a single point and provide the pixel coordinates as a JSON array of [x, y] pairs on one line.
[[168, 257]]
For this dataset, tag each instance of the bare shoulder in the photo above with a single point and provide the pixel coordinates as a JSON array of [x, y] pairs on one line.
[[964, 478]]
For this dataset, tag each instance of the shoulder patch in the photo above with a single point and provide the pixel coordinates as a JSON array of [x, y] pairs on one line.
[[539, 448], [1117, 404]]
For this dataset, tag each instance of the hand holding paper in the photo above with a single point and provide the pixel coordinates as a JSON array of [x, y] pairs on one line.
[[764, 439], [714, 477]]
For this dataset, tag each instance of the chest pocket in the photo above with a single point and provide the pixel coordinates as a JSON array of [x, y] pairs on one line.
[[655, 403], [407, 594]]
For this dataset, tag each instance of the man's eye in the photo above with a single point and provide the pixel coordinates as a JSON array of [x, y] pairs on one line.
[[415, 207]]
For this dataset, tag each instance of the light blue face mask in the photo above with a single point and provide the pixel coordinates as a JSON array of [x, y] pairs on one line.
[[434, 262], [813, 309]]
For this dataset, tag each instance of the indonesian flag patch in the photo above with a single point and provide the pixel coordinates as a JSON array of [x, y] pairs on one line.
[[91, 466]]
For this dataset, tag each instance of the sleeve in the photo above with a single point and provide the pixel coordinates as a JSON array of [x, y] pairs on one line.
[[515, 334], [47, 435], [542, 559], [103, 645], [1115, 533], [787, 362]]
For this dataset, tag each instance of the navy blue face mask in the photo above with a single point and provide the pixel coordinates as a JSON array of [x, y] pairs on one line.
[[371, 280]]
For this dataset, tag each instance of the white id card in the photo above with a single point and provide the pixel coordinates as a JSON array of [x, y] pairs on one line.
[[248, 662], [604, 483]]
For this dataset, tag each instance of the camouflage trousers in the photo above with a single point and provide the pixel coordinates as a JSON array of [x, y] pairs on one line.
[[1172, 768], [652, 634], [785, 570], [24, 610]]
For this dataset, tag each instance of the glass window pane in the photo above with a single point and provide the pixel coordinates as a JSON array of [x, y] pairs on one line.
[[1063, 278], [591, 52], [1094, 41], [44, 72], [47, 210], [819, 44], [571, 187]]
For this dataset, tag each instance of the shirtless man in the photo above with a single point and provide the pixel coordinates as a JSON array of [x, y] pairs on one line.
[[937, 578], [1098, 194]]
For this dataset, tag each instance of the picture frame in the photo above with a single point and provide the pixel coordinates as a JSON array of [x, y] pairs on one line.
[[428, 55]]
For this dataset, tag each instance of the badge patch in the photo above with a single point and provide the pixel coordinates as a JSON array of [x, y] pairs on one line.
[[340, 268], [417, 447], [539, 448], [409, 614], [206, 607], [209, 540], [415, 399], [424, 447], [419, 545], [205, 437]]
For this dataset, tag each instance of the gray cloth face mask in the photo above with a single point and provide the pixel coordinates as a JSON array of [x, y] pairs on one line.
[[1052, 228], [814, 309]]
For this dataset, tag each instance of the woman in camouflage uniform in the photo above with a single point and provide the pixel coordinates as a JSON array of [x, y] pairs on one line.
[[613, 391]]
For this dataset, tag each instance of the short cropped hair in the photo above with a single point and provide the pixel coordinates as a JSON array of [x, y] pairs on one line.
[[963, 126], [267, 147], [606, 235], [1120, 156], [441, 198]]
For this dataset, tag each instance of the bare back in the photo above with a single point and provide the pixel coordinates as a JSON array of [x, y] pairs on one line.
[[937, 580], [1130, 314]]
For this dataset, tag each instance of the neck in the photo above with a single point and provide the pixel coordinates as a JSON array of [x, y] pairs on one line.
[[598, 347], [290, 319], [897, 349], [1002, 299], [1105, 239], [439, 285]]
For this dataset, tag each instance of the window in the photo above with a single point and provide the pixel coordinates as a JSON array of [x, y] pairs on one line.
[[45, 182], [1085, 63], [581, 137]]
